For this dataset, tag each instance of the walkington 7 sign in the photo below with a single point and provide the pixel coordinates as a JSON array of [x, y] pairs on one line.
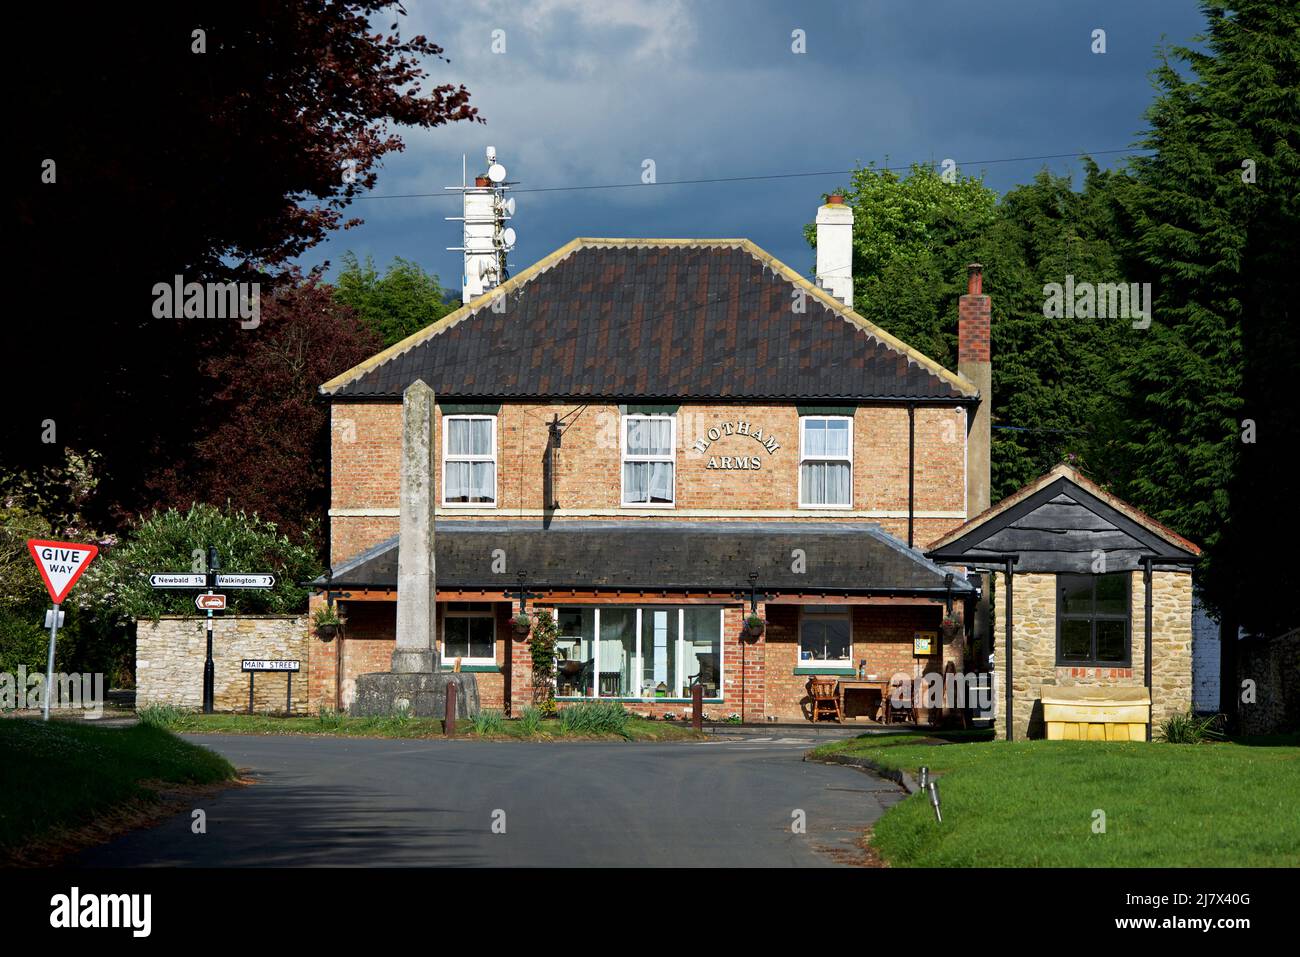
[[61, 564]]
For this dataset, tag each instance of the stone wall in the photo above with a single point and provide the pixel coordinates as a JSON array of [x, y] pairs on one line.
[[1034, 644], [170, 653], [1274, 668]]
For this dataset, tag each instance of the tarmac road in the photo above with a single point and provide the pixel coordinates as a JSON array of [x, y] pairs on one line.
[[376, 802]]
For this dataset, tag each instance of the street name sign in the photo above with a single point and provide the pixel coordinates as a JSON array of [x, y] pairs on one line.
[[210, 602], [271, 664], [178, 580], [256, 580], [61, 564]]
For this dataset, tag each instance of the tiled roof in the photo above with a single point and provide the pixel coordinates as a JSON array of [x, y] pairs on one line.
[[1073, 476], [650, 555], [657, 319]]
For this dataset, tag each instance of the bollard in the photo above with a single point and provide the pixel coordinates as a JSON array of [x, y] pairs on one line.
[[449, 719], [697, 707]]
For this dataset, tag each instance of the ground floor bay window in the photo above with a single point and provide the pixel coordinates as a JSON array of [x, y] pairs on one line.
[[648, 652]]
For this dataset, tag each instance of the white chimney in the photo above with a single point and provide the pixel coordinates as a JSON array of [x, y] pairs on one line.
[[835, 249]]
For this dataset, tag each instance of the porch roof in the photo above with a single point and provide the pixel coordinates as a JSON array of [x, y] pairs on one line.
[[837, 557]]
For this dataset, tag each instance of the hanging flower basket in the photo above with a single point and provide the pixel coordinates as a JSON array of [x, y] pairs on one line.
[[951, 628], [522, 625], [754, 626]]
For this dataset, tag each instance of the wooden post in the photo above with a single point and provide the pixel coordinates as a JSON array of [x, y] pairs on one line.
[[250, 691], [449, 719], [697, 706]]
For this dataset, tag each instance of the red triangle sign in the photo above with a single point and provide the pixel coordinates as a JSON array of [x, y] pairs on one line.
[[61, 564]]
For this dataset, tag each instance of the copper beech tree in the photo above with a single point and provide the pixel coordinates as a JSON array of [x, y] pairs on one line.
[[211, 141]]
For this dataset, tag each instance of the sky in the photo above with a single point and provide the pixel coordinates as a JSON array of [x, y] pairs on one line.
[[583, 92]]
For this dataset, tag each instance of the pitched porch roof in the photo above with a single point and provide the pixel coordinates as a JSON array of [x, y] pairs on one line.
[[840, 558]]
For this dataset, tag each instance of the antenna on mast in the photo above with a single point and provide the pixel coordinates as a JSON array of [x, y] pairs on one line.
[[486, 238]]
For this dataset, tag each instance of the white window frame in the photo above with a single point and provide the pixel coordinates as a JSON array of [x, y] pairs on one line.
[[816, 614], [804, 459], [592, 693], [624, 457], [442, 636], [448, 457]]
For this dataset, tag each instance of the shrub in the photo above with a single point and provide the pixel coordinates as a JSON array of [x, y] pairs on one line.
[[166, 716], [1189, 728], [530, 721], [595, 717], [489, 722]]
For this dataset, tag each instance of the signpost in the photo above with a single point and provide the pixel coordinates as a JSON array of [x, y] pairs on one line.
[[60, 565], [210, 601], [286, 665]]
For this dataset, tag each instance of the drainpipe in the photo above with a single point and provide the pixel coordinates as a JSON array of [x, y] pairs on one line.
[[1146, 640], [1007, 563], [911, 471], [1147, 561]]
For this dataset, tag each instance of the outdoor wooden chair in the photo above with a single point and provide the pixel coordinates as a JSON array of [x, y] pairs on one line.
[[900, 702], [824, 698]]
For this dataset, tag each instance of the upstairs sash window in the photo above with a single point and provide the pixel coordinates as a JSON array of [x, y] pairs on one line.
[[649, 444], [469, 474], [825, 462]]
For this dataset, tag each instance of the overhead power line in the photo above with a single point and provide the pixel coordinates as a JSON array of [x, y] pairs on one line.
[[745, 179]]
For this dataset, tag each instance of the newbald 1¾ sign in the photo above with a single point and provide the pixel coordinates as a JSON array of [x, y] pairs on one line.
[[60, 565]]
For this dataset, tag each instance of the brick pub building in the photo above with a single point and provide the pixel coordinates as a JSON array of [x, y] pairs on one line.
[[641, 430]]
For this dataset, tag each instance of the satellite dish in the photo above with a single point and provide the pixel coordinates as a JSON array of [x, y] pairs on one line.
[[496, 172], [509, 206], [508, 237], [491, 154]]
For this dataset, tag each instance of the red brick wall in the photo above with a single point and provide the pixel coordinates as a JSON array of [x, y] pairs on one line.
[[366, 448], [759, 679]]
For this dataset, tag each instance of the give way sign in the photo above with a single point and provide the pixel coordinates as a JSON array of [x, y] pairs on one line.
[[61, 564]]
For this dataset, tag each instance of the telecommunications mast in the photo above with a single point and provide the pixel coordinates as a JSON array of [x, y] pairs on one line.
[[486, 238]]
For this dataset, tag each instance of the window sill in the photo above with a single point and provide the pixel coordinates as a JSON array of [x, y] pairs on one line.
[[469, 505], [472, 669], [843, 671]]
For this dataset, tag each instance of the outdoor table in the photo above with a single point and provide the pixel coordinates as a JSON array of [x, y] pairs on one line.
[[864, 684]]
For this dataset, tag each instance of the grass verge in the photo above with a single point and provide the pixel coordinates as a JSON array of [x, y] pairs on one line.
[[546, 729], [59, 777], [1045, 803]]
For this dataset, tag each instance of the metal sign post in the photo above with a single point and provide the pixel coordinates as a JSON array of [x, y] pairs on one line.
[[285, 665], [49, 662], [60, 565], [210, 601]]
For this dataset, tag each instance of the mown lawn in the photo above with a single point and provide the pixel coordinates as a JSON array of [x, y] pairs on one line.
[[59, 774], [1036, 803], [638, 729]]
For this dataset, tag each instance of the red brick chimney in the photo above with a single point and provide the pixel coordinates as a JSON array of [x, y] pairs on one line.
[[974, 363]]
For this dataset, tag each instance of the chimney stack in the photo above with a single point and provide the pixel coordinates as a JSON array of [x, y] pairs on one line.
[[835, 249], [974, 364]]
